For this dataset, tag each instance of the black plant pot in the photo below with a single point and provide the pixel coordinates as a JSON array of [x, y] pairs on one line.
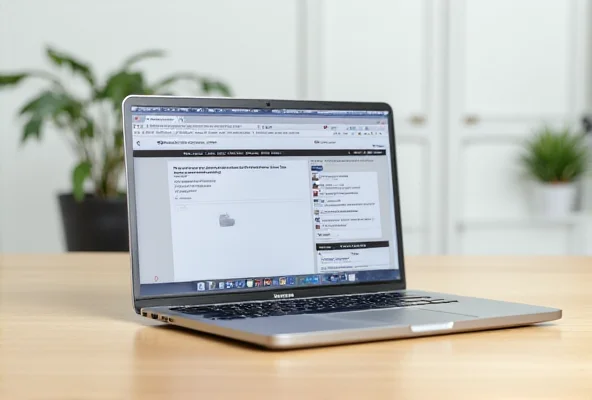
[[94, 224]]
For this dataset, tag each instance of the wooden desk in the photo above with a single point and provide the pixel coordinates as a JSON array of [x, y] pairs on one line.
[[67, 331]]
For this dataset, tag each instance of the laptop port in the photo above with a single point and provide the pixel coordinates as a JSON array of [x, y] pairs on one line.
[[144, 314], [154, 316]]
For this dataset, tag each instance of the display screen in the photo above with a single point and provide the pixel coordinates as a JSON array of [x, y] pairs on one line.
[[234, 200]]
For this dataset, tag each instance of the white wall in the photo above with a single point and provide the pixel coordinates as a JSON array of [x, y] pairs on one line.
[[253, 45]]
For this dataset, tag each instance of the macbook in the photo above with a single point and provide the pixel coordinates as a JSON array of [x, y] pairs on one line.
[[278, 223]]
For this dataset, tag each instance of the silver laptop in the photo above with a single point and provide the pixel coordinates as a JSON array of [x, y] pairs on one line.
[[278, 223]]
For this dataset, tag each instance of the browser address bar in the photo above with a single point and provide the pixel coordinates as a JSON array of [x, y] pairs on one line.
[[217, 131], [156, 124]]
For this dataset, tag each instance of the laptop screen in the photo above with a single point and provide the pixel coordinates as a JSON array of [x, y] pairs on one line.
[[236, 200]]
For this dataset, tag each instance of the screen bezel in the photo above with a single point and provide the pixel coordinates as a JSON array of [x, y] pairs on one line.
[[204, 298]]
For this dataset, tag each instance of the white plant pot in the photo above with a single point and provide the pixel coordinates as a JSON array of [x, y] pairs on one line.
[[586, 204], [554, 199]]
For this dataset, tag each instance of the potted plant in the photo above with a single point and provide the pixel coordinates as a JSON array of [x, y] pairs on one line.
[[555, 160], [94, 213]]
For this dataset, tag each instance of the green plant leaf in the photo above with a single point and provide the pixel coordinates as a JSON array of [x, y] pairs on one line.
[[49, 105], [57, 107], [12, 79], [122, 84], [206, 85], [169, 80], [129, 62], [209, 86], [118, 139], [32, 128], [88, 130], [9, 80], [79, 67], [555, 156], [79, 175]]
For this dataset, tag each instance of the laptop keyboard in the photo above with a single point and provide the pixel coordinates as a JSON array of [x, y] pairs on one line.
[[318, 305]]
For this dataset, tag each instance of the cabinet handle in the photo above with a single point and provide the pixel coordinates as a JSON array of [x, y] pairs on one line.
[[471, 120], [418, 119]]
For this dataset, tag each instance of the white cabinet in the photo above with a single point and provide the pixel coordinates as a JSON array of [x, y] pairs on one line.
[[468, 81], [389, 51], [378, 52], [513, 66], [511, 59]]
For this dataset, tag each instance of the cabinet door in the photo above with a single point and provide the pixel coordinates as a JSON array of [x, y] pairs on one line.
[[514, 66], [380, 50]]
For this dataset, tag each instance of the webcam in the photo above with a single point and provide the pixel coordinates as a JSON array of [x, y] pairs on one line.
[[268, 104]]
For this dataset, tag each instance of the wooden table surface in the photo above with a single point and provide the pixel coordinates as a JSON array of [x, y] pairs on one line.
[[68, 331]]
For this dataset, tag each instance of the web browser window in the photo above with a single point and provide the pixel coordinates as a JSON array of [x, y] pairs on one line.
[[252, 199]]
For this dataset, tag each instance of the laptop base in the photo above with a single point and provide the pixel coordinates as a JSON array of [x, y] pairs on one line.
[[298, 331]]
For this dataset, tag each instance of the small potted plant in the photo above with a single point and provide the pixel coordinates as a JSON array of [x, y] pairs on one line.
[[94, 213], [555, 160]]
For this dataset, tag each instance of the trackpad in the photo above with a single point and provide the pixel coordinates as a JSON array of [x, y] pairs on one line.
[[399, 317]]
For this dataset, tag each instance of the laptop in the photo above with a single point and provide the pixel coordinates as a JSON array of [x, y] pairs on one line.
[[278, 223]]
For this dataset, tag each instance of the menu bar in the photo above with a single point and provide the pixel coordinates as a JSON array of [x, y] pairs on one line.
[[257, 153]]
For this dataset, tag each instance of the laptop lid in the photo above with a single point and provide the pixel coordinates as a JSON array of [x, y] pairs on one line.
[[237, 200]]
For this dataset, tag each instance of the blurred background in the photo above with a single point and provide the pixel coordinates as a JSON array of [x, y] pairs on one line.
[[490, 101]]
